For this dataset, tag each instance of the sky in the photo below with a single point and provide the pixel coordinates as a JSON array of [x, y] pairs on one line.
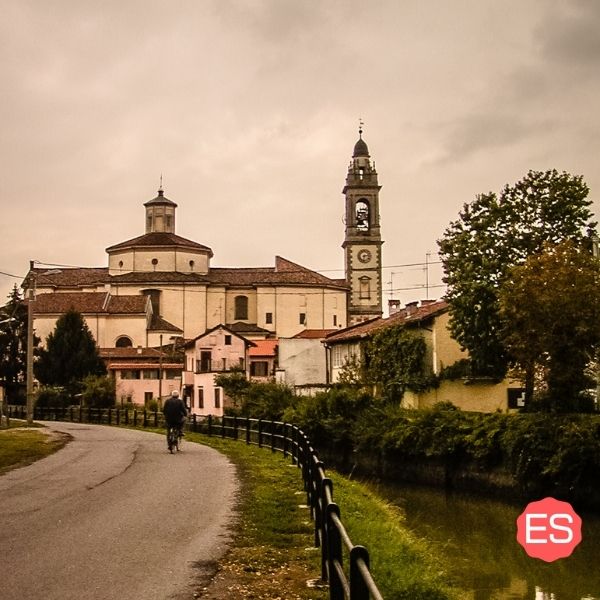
[[249, 109]]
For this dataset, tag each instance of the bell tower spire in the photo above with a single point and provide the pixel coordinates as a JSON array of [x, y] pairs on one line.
[[362, 240]]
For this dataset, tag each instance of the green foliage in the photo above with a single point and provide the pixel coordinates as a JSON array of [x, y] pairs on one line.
[[99, 391], [70, 354], [257, 400], [53, 396], [550, 309], [495, 233], [395, 362], [13, 347]]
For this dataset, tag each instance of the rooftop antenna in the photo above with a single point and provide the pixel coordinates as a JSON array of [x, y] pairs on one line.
[[360, 127], [160, 188]]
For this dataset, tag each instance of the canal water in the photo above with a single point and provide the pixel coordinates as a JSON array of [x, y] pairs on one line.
[[477, 537]]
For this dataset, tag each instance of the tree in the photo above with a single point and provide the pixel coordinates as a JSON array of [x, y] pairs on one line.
[[495, 233], [70, 354], [13, 345], [394, 362], [550, 308]]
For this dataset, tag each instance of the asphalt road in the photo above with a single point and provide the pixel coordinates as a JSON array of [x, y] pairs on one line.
[[114, 515]]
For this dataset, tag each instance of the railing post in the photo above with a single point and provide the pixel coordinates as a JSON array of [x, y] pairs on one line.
[[195, 423], [209, 425], [155, 418], [235, 428], [358, 587], [145, 419], [273, 429], [260, 433], [118, 418], [135, 417], [285, 440], [334, 553], [222, 426], [247, 430], [110, 416]]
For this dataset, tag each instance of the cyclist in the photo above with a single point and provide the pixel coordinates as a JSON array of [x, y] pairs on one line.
[[175, 412]]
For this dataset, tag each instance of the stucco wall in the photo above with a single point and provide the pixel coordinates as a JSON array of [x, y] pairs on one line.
[[303, 361], [476, 396]]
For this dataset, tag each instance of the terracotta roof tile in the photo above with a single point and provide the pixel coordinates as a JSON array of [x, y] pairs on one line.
[[89, 302], [159, 239], [143, 365], [160, 324], [71, 277], [314, 334], [285, 272], [264, 348], [406, 316]]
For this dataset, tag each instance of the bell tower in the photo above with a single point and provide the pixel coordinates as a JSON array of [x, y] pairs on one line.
[[362, 240]]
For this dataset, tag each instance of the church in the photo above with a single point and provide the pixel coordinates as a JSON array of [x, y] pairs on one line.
[[160, 289]]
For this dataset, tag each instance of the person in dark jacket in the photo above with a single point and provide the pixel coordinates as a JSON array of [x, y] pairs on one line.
[[175, 411]]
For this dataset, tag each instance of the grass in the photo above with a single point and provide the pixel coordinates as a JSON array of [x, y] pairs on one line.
[[22, 446], [271, 551], [272, 556], [403, 565]]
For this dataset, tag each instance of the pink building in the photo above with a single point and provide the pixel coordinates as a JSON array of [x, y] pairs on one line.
[[216, 351]]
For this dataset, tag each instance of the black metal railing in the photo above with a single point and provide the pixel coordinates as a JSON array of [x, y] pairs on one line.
[[330, 535]]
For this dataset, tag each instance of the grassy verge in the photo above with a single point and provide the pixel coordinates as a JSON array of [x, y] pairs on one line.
[[20, 447], [272, 554]]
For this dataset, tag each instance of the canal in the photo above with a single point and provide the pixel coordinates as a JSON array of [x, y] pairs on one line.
[[477, 537]]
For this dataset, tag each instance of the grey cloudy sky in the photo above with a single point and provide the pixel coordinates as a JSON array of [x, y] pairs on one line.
[[250, 108]]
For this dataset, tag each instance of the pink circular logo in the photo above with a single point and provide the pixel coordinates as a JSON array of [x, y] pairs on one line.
[[549, 529]]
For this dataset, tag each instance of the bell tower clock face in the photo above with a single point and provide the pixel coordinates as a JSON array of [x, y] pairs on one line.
[[364, 255]]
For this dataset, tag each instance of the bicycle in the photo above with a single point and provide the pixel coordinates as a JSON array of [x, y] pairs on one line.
[[173, 439]]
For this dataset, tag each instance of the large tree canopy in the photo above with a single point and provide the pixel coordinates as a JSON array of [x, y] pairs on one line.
[[495, 233], [550, 308], [70, 354]]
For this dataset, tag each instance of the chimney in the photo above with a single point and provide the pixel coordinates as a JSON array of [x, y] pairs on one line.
[[411, 307], [427, 302], [393, 306], [139, 349]]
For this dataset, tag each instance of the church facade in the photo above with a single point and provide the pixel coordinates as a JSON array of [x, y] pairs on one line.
[[159, 287]]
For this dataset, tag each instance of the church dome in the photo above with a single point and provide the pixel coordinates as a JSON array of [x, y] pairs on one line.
[[360, 148]]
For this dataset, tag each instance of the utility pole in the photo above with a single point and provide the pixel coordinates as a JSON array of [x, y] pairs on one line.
[[160, 371], [30, 301]]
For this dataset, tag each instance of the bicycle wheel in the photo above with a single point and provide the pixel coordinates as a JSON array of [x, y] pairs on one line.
[[172, 439]]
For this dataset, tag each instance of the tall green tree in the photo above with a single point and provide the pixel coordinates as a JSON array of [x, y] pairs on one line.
[[13, 346], [550, 308], [492, 235], [70, 354]]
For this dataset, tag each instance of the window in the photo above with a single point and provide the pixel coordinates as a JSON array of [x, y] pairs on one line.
[[362, 215], [150, 373], [217, 397], [337, 356], [228, 340], [200, 397], [259, 368], [241, 308], [204, 364], [131, 374], [154, 296], [269, 318], [335, 320], [364, 288], [123, 342], [302, 319], [172, 373]]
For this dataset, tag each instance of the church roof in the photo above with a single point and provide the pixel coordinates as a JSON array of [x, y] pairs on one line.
[[71, 277], [159, 324], [159, 239], [89, 302], [160, 199], [285, 272]]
